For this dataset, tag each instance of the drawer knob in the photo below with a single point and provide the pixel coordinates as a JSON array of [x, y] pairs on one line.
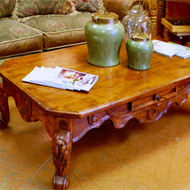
[[157, 97]]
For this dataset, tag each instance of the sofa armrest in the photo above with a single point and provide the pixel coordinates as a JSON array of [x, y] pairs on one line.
[[119, 7]]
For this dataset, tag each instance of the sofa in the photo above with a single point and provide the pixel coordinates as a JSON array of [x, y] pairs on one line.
[[29, 26]]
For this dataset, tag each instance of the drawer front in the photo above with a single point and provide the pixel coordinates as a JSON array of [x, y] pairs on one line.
[[165, 94]]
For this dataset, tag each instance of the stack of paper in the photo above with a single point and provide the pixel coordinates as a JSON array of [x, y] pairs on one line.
[[164, 48], [184, 52], [170, 49], [61, 78]]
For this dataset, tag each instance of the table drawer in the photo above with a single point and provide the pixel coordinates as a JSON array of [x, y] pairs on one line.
[[164, 94]]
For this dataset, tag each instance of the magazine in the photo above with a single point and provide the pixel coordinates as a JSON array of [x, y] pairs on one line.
[[170, 49], [184, 52], [61, 78], [165, 48]]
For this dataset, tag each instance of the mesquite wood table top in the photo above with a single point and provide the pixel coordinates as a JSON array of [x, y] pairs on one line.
[[119, 95]]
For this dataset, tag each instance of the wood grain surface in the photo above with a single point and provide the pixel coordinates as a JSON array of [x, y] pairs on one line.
[[119, 95], [116, 85]]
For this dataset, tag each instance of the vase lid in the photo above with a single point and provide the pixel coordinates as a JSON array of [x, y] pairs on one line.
[[140, 37], [105, 18]]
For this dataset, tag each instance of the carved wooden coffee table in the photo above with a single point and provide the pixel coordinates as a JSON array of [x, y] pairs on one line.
[[119, 95]]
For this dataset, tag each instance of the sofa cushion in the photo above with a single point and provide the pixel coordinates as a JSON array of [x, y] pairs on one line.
[[61, 30], [16, 38], [6, 7], [25, 8], [89, 5], [121, 7]]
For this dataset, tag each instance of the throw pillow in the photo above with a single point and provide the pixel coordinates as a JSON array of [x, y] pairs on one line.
[[26, 8], [90, 5], [6, 7]]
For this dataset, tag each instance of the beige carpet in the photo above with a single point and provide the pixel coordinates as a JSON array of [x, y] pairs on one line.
[[152, 156]]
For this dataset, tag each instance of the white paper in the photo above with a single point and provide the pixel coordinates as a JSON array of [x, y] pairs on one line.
[[165, 48], [184, 52], [61, 78]]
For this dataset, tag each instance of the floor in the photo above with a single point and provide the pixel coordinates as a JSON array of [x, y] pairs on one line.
[[154, 156]]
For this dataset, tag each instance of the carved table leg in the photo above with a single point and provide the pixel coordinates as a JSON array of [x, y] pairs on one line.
[[62, 144], [4, 109]]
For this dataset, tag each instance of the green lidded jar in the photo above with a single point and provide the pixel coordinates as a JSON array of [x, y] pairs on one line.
[[104, 35], [139, 53], [138, 30]]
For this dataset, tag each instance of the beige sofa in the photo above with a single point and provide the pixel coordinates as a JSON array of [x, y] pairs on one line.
[[36, 25]]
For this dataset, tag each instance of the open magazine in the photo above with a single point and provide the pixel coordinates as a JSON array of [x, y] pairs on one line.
[[184, 52], [61, 78], [170, 49], [164, 48]]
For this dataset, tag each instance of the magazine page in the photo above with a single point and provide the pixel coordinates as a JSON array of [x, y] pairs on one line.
[[61, 78], [165, 48], [184, 52], [34, 75], [74, 79], [42, 76]]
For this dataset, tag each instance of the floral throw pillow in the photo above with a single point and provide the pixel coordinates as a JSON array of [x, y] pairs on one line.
[[42, 7], [89, 5], [6, 7]]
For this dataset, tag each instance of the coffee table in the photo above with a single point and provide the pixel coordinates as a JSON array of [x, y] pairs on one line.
[[119, 95]]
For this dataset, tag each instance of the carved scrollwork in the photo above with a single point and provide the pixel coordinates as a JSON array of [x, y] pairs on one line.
[[120, 120], [156, 111], [25, 106], [61, 158], [61, 150], [61, 146], [182, 95], [120, 115], [97, 119], [3, 121], [82, 126], [92, 120], [146, 114], [149, 113], [26, 111], [152, 113], [4, 110]]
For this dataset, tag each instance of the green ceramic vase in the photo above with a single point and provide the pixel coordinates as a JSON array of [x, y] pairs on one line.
[[138, 30], [139, 54], [104, 35]]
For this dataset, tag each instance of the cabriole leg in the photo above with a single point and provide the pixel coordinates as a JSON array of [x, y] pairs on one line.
[[62, 144], [4, 109]]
